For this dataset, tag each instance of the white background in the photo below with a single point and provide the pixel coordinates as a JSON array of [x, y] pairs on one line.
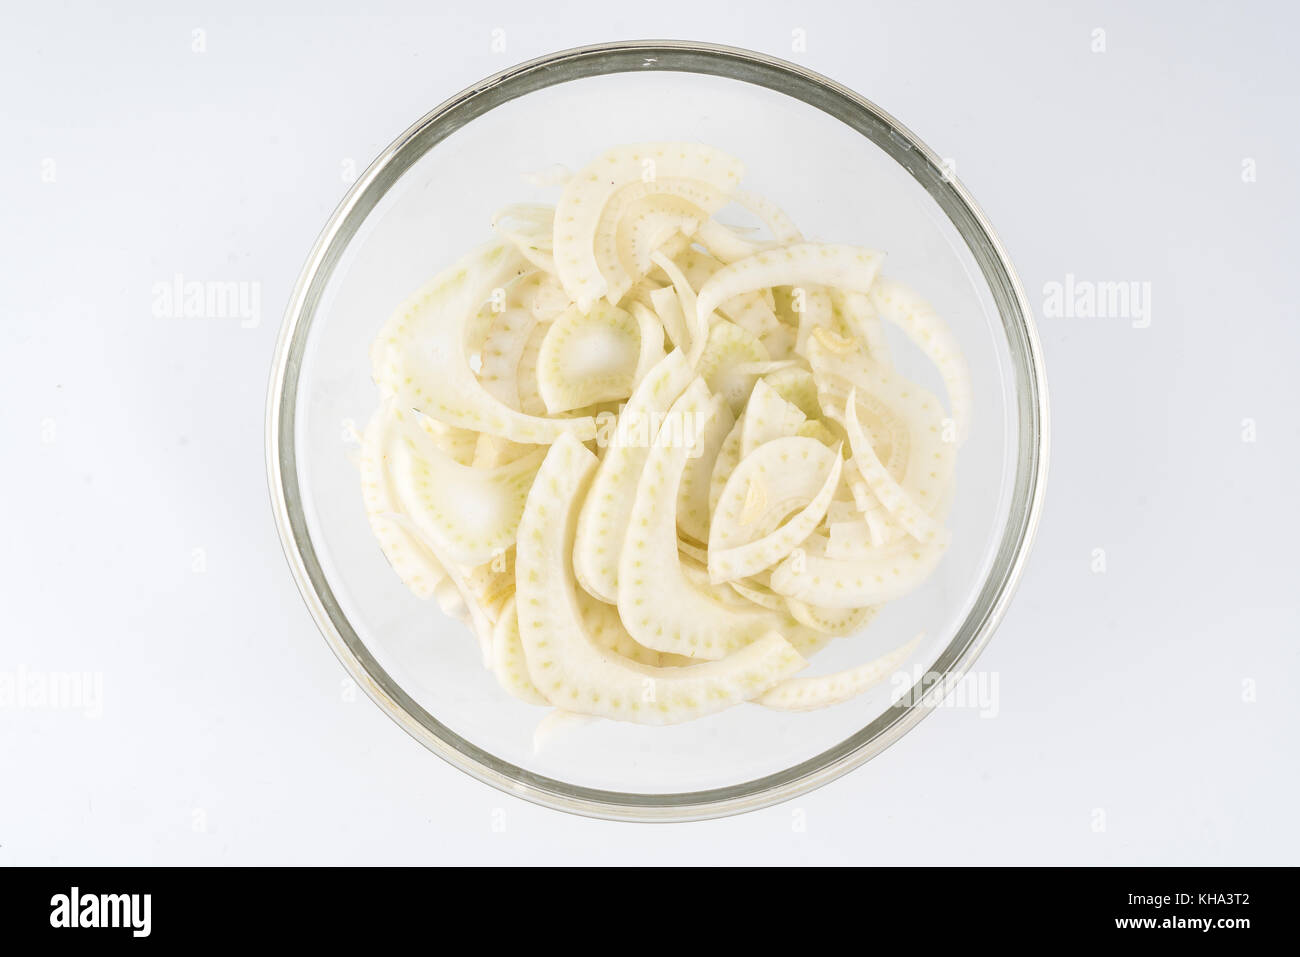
[[1147, 713]]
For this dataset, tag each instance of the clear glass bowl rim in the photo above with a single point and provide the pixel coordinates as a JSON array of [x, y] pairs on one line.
[[686, 57]]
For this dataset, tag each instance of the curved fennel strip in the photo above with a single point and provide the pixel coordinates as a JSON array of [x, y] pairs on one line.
[[639, 217], [585, 196], [748, 310], [530, 392], [468, 514], [693, 496], [661, 608], [846, 267], [900, 505], [781, 226], [764, 597], [606, 631], [859, 318], [413, 556], [899, 305], [807, 694], [697, 553], [768, 416], [901, 418], [668, 308], [421, 356], [607, 508], [564, 664], [725, 362], [836, 622], [727, 460], [782, 475], [532, 234], [651, 348], [697, 327], [723, 243], [588, 358], [888, 573], [816, 317], [509, 663], [797, 386], [503, 347], [415, 565]]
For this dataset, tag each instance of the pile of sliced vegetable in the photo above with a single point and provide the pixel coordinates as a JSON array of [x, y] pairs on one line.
[[656, 462]]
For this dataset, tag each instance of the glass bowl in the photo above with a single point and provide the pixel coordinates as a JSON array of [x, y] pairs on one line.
[[846, 172]]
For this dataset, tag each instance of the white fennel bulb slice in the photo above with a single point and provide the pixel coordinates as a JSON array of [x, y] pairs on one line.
[[529, 229], [697, 329], [414, 556], [780, 342], [697, 553], [749, 310], [724, 243], [880, 406], [897, 502], [492, 450], [640, 218], [860, 319], [808, 694], [697, 573], [651, 350], [661, 608], [649, 232], [726, 362], [585, 196], [540, 294], [863, 539], [767, 484], [778, 223], [669, 310], [819, 430], [414, 563], [469, 514], [509, 663], [530, 393], [799, 265], [902, 307], [886, 573], [606, 510], [606, 631], [502, 349], [836, 622], [760, 595], [491, 584], [816, 315], [902, 422], [768, 416], [421, 354], [693, 496], [588, 358], [460, 444], [568, 668], [796, 384], [728, 459]]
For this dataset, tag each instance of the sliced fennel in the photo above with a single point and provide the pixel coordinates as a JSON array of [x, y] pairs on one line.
[[655, 461]]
